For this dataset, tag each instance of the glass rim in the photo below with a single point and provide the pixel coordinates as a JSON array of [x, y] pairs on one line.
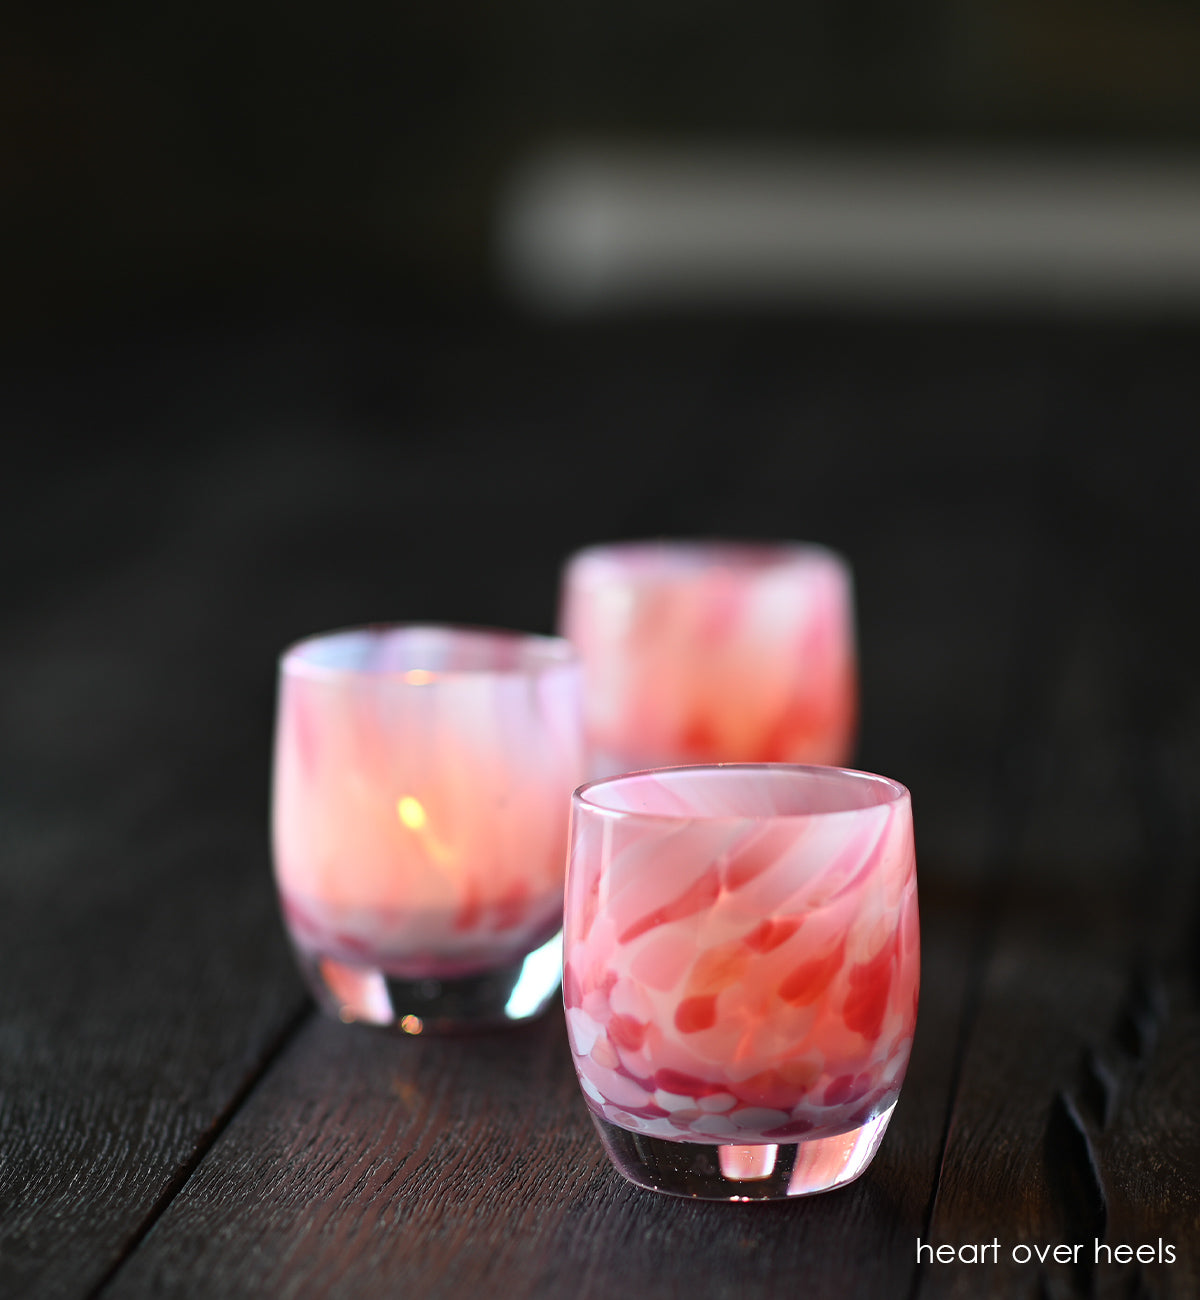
[[746, 554], [549, 652], [898, 795]]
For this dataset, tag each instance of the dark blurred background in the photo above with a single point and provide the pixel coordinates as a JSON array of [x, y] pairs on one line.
[[273, 156], [266, 371]]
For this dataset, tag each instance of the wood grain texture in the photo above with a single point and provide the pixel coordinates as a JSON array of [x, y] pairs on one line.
[[564, 1220], [143, 975], [173, 1120], [1072, 1124], [365, 1163]]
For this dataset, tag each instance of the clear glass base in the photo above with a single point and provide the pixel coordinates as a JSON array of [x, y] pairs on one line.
[[459, 1004], [770, 1171]]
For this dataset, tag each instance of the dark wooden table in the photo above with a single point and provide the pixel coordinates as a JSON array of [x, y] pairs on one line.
[[1018, 500]]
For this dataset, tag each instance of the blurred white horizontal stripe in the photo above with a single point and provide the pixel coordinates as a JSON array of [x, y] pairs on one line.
[[581, 230]]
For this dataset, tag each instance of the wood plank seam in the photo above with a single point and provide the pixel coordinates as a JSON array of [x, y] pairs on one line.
[[1013, 805], [204, 1144]]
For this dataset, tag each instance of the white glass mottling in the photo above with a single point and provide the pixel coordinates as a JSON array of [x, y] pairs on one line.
[[421, 794], [702, 652], [742, 962]]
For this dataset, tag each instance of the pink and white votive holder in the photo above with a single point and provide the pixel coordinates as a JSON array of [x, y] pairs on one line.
[[705, 652], [741, 968], [422, 785]]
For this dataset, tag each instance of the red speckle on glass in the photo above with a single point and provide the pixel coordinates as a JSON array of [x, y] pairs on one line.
[[703, 893], [510, 908], [695, 1014], [768, 935], [627, 1032], [767, 1088], [698, 739], [752, 859], [840, 1090], [352, 942], [686, 1085], [810, 979], [572, 993], [870, 984], [470, 910]]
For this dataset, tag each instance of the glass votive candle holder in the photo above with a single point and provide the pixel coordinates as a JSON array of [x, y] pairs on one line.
[[705, 652], [422, 784], [741, 967]]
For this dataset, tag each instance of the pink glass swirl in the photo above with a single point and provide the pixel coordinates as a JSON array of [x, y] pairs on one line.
[[713, 652], [421, 797], [742, 956]]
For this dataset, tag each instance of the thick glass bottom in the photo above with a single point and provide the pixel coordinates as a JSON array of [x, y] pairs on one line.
[[435, 1005], [768, 1172]]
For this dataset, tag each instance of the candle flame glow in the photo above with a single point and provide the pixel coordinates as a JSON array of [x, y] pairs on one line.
[[411, 813], [413, 817]]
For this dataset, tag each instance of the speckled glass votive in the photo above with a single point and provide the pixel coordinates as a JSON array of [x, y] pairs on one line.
[[704, 652], [421, 795], [741, 972]]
